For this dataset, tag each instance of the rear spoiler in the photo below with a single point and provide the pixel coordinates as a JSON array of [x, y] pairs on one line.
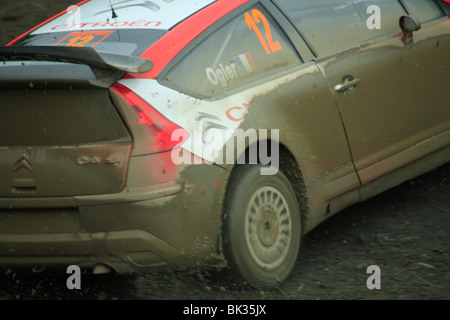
[[107, 67]]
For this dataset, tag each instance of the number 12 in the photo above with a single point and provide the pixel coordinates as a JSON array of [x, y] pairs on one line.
[[79, 41], [252, 21]]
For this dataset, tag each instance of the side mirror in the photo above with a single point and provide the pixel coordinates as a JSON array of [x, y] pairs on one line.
[[408, 25]]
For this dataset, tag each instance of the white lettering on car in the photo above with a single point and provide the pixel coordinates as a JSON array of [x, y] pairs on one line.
[[222, 75], [122, 24]]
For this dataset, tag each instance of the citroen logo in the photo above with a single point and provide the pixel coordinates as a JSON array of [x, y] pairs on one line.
[[24, 162]]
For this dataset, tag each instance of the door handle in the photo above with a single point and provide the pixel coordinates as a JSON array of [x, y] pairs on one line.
[[349, 84]]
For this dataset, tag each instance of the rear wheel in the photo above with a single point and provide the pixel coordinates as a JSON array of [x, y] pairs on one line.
[[262, 226]]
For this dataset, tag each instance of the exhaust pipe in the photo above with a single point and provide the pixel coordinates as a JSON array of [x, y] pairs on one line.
[[102, 269]]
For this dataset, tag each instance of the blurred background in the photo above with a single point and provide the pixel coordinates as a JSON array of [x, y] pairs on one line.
[[19, 16]]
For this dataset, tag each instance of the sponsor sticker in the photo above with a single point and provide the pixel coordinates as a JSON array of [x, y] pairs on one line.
[[84, 38]]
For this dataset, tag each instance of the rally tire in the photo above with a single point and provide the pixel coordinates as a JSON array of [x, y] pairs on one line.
[[261, 226]]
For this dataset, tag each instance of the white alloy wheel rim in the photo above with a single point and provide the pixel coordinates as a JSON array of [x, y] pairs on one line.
[[268, 227]]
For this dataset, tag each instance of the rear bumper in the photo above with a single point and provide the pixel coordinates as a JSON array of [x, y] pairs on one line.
[[124, 251], [117, 235], [171, 224]]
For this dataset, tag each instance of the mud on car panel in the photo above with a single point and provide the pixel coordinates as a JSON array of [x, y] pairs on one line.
[[163, 134]]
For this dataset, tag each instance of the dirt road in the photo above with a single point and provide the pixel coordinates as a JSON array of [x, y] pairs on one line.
[[405, 232]]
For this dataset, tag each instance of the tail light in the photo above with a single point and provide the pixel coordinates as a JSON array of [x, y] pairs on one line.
[[152, 132]]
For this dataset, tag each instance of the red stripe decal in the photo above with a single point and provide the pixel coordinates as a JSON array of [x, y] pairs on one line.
[[166, 48]]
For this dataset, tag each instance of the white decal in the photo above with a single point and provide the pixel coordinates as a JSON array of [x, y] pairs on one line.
[[208, 143], [138, 14], [222, 75]]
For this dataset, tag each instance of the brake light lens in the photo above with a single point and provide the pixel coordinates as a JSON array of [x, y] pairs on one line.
[[152, 131]]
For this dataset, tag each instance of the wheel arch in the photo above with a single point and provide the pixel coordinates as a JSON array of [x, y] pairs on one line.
[[289, 166]]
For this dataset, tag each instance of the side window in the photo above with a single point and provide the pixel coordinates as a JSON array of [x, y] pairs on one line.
[[424, 10], [247, 48], [331, 25]]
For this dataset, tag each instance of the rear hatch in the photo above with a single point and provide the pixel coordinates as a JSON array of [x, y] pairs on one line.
[[60, 134]]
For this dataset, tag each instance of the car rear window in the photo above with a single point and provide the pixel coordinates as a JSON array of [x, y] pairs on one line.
[[128, 42]]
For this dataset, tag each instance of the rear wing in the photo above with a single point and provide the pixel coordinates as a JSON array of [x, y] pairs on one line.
[[66, 64]]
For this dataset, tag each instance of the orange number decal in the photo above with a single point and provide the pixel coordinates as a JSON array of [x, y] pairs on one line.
[[84, 38], [257, 17], [79, 41]]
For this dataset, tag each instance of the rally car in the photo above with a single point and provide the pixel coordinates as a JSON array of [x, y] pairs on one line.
[[138, 135]]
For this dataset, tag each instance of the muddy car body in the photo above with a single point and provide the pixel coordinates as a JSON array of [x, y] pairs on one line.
[[116, 121]]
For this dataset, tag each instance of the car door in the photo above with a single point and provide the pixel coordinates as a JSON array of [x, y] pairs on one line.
[[392, 97], [249, 69]]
